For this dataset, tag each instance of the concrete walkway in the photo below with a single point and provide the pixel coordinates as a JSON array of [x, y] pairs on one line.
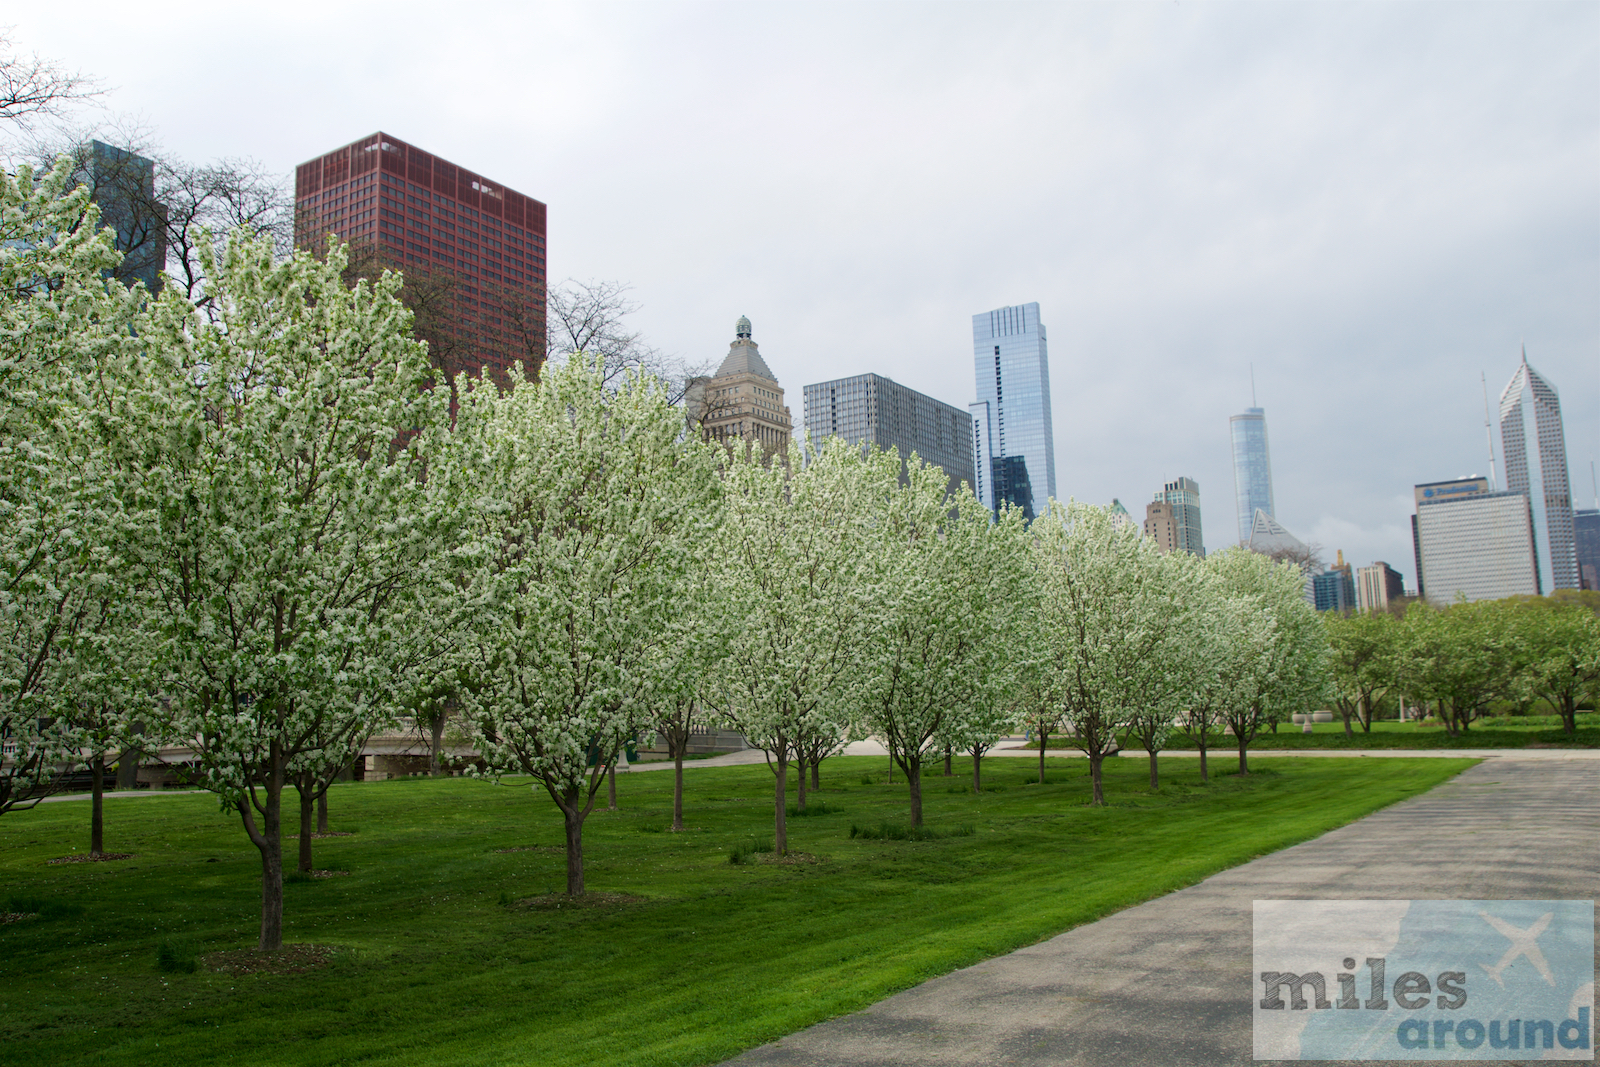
[[1168, 983]]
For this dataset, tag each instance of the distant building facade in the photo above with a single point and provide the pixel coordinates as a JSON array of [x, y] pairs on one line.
[[1335, 588], [481, 243], [1586, 536], [1377, 585], [743, 400], [1013, 431], [870, 408], [122, 185], [1534, 447], [1473, 542], [1172, 519], [1252, 469]]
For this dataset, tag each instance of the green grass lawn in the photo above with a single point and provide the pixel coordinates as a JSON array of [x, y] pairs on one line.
[[436, 963]]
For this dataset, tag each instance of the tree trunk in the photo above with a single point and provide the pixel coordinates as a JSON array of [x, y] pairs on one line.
[[1244, 767], [269, 842], [611, 786], [1569, 714], [1155, 780], [436, 744], [1097, 794], [1043, 736], [1200, 742], [800, 769], [677, 786], [816, 775], [948, 771], [306, 805], [573, 816], [916, 795], [97, 817], [977, 776], [1346, 716], [780, 815], [322, 811]]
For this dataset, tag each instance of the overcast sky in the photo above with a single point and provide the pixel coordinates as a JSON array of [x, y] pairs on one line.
[[1372, 203]]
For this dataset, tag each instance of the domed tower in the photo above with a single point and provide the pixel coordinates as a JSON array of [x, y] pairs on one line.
[[743, 400]]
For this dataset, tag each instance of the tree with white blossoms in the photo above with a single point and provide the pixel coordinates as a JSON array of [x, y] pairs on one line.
[[1279, 653], [62, 328], [793, 562], [1165, 678], [946, 571], [587, 504], [1104, 611], [1227, 646], [289, 533]]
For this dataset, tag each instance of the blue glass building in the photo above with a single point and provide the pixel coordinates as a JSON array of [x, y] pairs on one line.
[[1013, 435], [1252, 469]]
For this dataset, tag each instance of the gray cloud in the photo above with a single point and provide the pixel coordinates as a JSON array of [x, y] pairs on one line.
[[1371, 203]]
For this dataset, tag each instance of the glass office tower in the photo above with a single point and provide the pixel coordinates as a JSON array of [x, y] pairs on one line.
[[1534, 447], [1252, 469], [1012, 427]]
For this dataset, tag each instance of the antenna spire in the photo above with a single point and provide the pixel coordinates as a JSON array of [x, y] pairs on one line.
[[1252, 384], [1488, 430]]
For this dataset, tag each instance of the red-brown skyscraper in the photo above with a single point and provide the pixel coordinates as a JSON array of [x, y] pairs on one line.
[[429, 217]]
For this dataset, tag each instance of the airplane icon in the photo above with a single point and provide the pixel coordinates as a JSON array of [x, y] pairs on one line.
[[1523, 943]]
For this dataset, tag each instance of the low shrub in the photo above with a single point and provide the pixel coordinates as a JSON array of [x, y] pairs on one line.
[[175, 957], [753, 847]]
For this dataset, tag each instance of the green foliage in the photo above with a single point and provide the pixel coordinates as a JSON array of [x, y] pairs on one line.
[[814, 807], [742, 853]]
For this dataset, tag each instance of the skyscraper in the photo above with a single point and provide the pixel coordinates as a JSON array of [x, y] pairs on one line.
[[122, 184], [1586, 533], [1534, 449], [887, 414], [1013, 431], [479, 245], [1473, 542], [1173, 518], [1377, 585], [743, 400], [1252, 469]]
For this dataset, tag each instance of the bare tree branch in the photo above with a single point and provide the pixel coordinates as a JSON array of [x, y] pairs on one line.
[[32, 87]]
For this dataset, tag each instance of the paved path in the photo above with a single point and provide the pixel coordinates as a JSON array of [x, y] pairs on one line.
[[1168, 983]]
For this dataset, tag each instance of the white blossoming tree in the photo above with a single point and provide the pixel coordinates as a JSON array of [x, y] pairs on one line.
[[1105, 611], [797, 573], [588, 505], [1276, 662], [947, 572], [289, 533], [63, 328]]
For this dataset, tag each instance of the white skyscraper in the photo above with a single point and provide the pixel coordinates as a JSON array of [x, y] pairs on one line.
[[1534, 448]]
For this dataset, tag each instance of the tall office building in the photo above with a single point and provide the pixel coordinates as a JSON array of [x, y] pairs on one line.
[[1474, 542], [1586, 536], [1173, 518], [887, 414], [1252, 469], [122, 185], [743, 400], [1377, 585], [1534, 449], [482, 244], [1012, 434]]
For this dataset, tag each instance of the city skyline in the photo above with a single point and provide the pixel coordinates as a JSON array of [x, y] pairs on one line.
[[1382, 201]]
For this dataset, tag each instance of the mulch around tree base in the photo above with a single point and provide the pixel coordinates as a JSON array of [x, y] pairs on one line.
[[91, 857], [560, 901], [16, 916], [290, 959]]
